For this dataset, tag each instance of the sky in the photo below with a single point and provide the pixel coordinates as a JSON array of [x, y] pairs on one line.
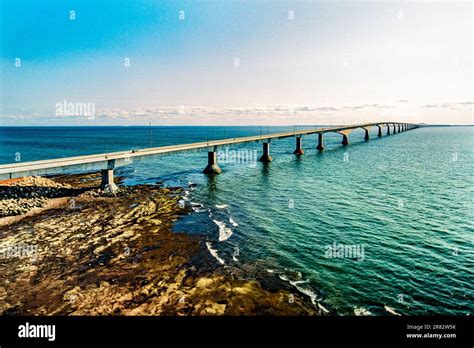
[[124, 62]]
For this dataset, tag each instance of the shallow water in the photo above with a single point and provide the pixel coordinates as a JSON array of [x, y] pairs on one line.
[[405, 200]]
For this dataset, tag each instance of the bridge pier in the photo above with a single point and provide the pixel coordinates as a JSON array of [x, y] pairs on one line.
[[320, 146], [107, 182], [298, 150], [388, 129], [394, 128], [345, 140], [380, 131], [399, 128], [266, 153], [367, 136], [212, 167]]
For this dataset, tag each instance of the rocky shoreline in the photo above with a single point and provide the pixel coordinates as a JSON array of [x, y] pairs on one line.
[[68, 248]]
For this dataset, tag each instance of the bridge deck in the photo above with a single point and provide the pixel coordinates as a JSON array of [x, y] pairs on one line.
[[124, 157]]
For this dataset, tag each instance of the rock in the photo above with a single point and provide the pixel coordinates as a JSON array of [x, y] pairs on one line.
[[142, 266]]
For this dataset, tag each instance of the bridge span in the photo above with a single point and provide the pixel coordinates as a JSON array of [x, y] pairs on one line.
[[107, 162]]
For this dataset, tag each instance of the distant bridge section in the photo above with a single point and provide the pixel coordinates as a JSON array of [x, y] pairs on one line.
[[107, 162]]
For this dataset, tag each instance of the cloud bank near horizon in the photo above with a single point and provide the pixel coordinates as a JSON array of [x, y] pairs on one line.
[[401, 110]]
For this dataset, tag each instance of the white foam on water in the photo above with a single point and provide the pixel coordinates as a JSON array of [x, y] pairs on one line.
[[221, 206], [320, 306], [198, 207], [289, 275], [301, 285], [214, 253], [232, 221], [224, 231], [361, 311], [292, 272], [235, 258], [391, 310], [298, 284]]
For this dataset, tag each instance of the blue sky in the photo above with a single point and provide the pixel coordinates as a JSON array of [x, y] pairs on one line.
[[235, 62]]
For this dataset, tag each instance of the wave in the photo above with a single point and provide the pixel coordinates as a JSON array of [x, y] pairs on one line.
[[214, 253], [290, 275], [361, 311], [321, 307], [308, 291], [224, 231], [391, 310], [295, 279], [221, 206], [232, 221], [198, 207]]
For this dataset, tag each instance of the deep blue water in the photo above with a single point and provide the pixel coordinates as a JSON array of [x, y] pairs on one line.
[[407, 199]]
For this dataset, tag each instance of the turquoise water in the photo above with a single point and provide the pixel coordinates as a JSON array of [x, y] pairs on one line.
[[406, 199]]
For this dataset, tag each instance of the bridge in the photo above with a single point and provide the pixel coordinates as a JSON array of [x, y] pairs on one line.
[[107, 162]]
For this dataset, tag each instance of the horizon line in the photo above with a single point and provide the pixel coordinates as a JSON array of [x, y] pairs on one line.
[[241, 125]]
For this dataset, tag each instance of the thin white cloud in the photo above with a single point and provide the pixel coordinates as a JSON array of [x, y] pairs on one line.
[[262, 114], [368, 106], [452, 106]]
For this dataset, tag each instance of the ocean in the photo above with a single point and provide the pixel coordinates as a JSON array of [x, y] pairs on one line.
[[377, 227]]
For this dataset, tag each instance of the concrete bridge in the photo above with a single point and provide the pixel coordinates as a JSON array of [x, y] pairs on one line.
[[109, 161]]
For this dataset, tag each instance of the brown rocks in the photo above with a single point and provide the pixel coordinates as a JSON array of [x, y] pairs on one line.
[[115, 254]]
